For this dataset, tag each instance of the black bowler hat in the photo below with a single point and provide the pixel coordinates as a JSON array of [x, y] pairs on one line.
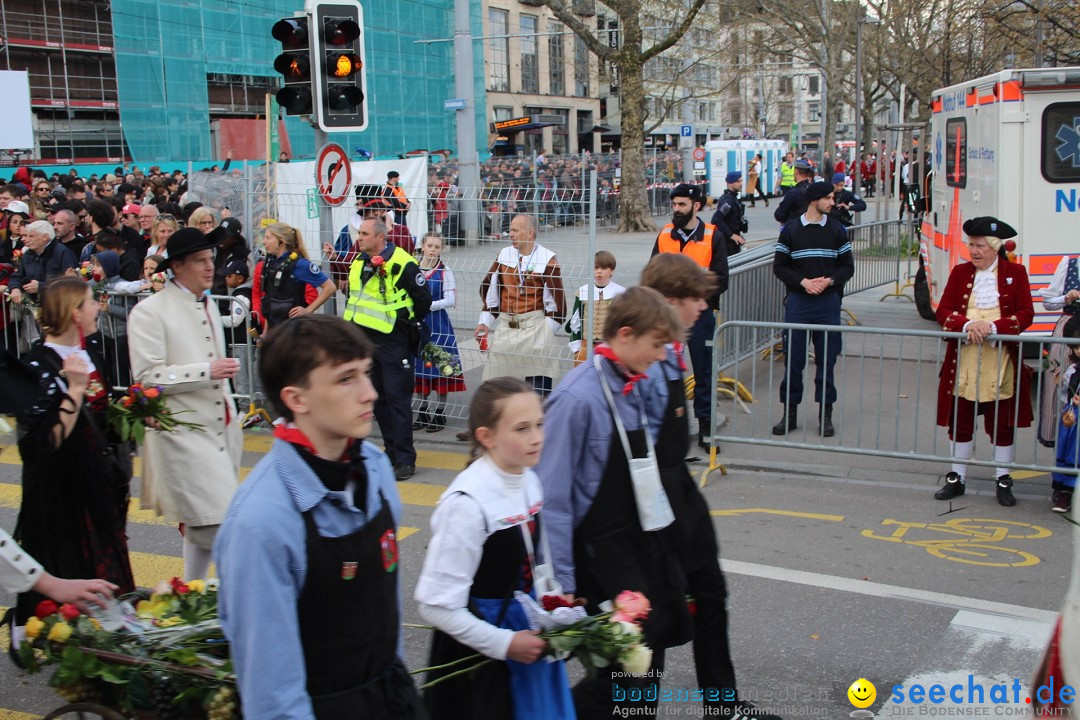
[[818, 190], [987, 226], [186, 241]]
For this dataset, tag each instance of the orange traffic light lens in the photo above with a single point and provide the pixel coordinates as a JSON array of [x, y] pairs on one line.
[[344, 66]]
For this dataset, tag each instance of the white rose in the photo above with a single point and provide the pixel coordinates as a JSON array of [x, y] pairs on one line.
[[629, 628], [638, 659], [447, 371]]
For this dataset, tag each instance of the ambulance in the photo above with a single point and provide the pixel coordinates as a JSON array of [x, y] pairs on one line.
[[1006, 145], [723, 156]]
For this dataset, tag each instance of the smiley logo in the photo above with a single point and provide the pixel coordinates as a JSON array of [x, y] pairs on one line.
[[862, 693]]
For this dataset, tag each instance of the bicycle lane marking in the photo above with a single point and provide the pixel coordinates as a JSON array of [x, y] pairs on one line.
[[972, 541]]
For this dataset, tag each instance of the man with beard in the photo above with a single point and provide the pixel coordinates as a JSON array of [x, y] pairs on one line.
[[688, 235]]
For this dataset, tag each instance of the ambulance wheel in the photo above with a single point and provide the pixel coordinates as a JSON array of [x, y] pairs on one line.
[[922, 296]]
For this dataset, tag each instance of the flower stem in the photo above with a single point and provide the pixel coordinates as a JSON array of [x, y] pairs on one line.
[[452, 675], [452, 663]]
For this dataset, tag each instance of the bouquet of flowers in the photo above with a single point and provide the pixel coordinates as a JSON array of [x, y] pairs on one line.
[[127, 415], [85, 270], [443, 361], [1049, 363], [158, 280], [162, 651]]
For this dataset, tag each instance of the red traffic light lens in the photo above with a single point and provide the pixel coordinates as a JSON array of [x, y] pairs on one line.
[[340, 32], [343, 65], [291, 33], [344, 98], [294, 66]]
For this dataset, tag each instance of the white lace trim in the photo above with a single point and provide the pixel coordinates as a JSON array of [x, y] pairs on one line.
[[985, 289]]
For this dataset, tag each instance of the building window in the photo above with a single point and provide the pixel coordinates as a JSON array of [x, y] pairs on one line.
[[556, 60], [785, 114], [814, 111], [581, 68], [530, 60], [502, 113], [787, 85], [560, 134], [815, 81], [499, 74]]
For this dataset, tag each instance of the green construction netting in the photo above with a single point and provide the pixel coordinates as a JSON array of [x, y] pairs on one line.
[[166, 50]]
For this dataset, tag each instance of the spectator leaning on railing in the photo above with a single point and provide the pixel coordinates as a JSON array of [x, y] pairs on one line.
[[42, 260]]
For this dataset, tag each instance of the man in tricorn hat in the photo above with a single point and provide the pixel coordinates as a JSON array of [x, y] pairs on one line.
[[177, 342], [988, 296]]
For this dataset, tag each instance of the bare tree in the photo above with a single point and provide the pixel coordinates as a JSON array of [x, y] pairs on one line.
[[630, 59]]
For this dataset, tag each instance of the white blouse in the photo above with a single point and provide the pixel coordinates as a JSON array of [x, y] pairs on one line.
[[482, 500], [985, 288]]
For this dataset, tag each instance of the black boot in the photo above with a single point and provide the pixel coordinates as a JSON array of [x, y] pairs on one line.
[[423, 420], [1004, 491], [953, 487], [827, 429], [789, 422], [438, 420]]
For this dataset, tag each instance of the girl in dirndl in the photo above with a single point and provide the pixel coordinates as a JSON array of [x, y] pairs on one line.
[[484, 530], [1063, 293], [438, 366], [1068, 410]]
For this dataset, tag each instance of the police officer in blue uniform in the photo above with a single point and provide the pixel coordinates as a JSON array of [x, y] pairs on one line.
[[847, 202], [814, 260], [794, 203], [730, 215]]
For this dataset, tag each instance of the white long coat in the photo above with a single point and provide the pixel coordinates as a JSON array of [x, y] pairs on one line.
[[189, 476]]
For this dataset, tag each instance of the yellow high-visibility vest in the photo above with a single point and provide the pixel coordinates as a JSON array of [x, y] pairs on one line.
[[376, 304]]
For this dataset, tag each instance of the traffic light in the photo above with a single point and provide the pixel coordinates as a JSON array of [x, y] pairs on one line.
[[339, 59], [294, 64]]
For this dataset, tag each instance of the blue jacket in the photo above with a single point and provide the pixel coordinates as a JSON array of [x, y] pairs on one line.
[[54, 261], [262, 560], [576, 449]]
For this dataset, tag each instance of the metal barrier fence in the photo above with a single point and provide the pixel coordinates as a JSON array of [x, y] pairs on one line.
[[887, 386]]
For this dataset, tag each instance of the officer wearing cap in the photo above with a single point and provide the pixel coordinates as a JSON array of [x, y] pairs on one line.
[[814, 260], [396, 195], [794, 203], [231, 245], [988, 296], [730, 215], [846, 202], [688, 235]]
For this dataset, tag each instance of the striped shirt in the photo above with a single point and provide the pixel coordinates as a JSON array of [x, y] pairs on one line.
[[812, 250]]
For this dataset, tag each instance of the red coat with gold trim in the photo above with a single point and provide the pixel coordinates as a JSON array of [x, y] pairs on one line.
[[1017, 313]]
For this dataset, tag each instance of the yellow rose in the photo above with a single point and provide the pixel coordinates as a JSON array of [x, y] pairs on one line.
[[34, 627], [169, 622], [637, 659], [293, 256], [198, 586], [60, 632]]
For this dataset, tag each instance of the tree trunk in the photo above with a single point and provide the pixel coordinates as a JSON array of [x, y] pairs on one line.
[[635, 215]]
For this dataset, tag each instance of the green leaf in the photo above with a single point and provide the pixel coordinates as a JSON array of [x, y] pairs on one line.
[[125, 428], [140, 432], [564, 643]]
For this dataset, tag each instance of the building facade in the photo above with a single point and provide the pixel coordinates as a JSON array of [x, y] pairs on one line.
[[540, 79], [150, 80]]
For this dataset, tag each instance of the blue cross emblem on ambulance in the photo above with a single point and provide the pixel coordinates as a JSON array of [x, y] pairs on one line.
[[1069, 137]]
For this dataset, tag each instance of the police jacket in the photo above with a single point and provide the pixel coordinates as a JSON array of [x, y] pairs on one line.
[[730, 219], [388, 295], [793, 205], [53, 262], [854, 204]]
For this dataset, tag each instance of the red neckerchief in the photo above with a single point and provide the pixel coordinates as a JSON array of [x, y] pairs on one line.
[[294, 435], [631, 378], [678, 348]]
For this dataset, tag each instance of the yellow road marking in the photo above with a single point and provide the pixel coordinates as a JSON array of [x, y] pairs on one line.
[[1027, 474], [769, 511], [16, 715]]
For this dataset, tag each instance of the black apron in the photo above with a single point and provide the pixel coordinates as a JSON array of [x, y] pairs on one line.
[[612, 553], [349, 624], [692, 534]]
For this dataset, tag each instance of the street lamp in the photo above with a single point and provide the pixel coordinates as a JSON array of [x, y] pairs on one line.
[[863, 20]]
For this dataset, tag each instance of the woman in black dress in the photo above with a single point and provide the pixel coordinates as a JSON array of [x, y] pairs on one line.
[[76, 475]]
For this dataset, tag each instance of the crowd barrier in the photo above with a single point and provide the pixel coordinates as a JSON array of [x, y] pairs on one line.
[[887, 385]]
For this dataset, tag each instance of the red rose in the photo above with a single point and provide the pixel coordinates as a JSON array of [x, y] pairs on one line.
[[377, 261], [179, 587], [69, 612], [45, 608], [550, 602]]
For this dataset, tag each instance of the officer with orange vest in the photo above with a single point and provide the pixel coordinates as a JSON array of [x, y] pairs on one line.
[[701, 242], [399, 203]]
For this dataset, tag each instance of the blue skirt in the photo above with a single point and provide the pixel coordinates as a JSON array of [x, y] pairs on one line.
[[1066, 449]]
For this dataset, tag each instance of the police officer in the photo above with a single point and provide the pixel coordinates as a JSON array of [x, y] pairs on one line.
[[730, 215], [814, 260], [388, 298], [847, 202], [690, 236], [794, 203]]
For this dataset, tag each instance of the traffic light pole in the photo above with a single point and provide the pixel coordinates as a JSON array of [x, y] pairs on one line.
[[468, 164]]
